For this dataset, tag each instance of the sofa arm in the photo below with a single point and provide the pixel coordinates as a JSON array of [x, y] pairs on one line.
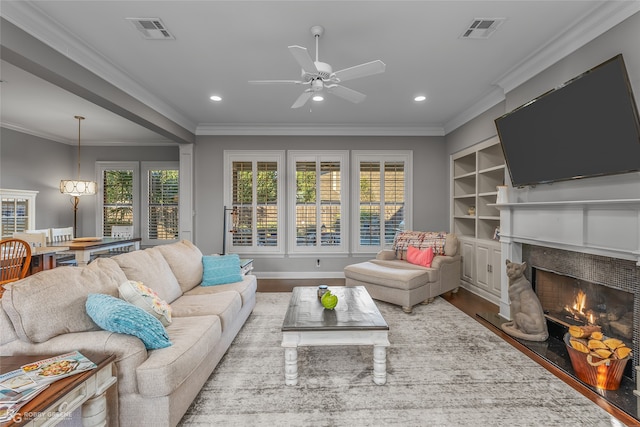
[[386, 254], [441, 260]]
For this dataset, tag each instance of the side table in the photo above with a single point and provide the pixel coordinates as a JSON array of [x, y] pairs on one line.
[[56, 403]]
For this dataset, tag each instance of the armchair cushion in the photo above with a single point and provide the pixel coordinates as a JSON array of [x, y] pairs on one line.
[[421, 240], [421, 257]]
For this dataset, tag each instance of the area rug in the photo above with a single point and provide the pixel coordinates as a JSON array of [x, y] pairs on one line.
[[444, 369]]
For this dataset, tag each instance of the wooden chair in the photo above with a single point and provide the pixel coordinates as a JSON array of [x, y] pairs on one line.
[[35, 239], [15, 258], [46, 231], [120, 232], [61, 235]]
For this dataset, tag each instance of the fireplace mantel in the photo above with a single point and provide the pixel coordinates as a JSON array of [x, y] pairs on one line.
[[600, 227]]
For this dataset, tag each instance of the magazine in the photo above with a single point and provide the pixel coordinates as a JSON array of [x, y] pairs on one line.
[[54, 368], [8, 396], [16, 380], [9, 409]]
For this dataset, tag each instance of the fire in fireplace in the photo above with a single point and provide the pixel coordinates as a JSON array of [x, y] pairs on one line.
[[571, 301]]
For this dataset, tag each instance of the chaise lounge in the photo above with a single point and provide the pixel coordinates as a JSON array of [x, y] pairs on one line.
[[392, 278]]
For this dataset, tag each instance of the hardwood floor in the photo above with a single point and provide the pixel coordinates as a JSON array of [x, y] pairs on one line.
[[472, 304]]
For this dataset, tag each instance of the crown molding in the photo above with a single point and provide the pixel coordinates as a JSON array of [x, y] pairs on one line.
[[317, 130], [28, 17], [586, 29], [87, 143]]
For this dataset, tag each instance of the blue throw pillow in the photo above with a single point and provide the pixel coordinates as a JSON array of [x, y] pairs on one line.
[[116, 315], [220, 269]]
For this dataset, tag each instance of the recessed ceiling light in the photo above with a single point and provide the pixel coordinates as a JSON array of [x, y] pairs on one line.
[[420, 98], [215, 98], [318, 98]]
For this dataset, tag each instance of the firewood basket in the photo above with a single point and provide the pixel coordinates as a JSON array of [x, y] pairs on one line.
[[605, 374]]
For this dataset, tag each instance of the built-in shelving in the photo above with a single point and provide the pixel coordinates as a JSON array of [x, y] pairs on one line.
[[476, 172]]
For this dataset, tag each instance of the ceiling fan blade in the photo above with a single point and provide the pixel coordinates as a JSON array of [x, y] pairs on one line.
[[362, 70], [301, 54], [275, 81], [346, 93], [302, 99]]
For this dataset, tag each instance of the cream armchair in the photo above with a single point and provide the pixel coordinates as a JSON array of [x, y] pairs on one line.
[[389, 277]]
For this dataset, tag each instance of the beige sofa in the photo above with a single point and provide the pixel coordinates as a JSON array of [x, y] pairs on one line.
[[389, 277], [45, 314]]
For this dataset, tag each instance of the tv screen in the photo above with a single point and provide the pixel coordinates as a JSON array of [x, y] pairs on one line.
[[587, 127]]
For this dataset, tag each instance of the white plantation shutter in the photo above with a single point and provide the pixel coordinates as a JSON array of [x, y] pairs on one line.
[[117, 198], [382, 196], [254, 199], [161, 181], [318, 201], [18, 211]]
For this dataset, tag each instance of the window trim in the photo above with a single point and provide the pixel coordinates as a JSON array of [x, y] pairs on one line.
[[294, 156], [358, 156], [145, 167], [252, 156]]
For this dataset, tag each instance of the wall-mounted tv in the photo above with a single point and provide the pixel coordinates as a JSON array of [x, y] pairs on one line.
[[587, 127]]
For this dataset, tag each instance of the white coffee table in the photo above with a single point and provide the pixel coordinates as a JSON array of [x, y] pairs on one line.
[[356, 320]]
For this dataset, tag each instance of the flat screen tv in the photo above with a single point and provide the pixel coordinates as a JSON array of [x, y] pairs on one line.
[[587, 127]]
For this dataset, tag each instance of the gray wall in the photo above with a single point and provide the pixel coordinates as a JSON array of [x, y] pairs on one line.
[[31, 163], [430, 181], [621, 39]]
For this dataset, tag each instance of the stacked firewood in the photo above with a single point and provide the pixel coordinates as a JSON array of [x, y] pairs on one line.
[[590, 340]]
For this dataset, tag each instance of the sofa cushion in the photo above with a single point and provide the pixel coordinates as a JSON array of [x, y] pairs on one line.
[[394, 274], [421, 257], [420, 240], [150, 268], [144, 297], [185, 260], [65, 291], [246, 288], [165, 370], [226, 305], [116, 315], [220, 269]]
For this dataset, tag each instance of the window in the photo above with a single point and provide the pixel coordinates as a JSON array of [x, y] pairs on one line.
[[317, 201], [117, 195], [18, 211], [254, 198], [161, 197], [142, 194], [382, 195]]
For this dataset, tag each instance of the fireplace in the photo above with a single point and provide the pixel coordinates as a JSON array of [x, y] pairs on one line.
[[578, 289]]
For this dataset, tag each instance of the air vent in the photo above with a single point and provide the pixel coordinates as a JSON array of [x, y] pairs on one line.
[[151, 28], [482, 28]]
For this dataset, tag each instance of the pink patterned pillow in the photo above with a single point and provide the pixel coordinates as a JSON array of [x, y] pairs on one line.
[[420, 257], [420, 240]]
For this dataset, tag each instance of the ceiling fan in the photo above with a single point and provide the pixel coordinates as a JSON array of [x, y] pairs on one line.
[[319, 76]]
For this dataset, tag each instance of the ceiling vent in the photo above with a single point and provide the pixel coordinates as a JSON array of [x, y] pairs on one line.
[[151, 28], [482, 28]]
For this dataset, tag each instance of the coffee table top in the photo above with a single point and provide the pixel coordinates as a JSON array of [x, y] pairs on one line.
[[355, 311]]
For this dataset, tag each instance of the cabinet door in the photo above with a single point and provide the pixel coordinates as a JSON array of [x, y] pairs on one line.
[[483, 266], [496, 263], [468, 261]]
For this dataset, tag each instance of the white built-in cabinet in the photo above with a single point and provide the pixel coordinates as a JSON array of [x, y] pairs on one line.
[[475, 174]]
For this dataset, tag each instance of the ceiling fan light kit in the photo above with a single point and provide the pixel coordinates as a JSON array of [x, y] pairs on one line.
[[320, 78]]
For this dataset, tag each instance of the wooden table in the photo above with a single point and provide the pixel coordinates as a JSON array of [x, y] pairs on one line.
[[44, 257], [87, 389], [356, 320], [84, 249]]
